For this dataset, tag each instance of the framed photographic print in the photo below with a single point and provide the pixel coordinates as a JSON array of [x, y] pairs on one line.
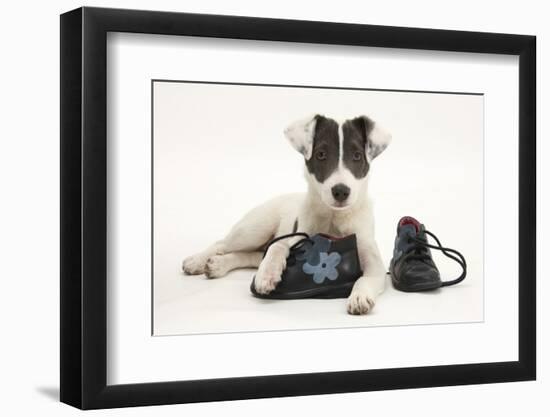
[[257, 207]]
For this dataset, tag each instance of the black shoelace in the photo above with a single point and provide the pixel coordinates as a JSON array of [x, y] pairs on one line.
[[420, 253], [295, 249]]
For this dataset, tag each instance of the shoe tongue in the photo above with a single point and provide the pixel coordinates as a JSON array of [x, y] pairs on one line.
[[410, 223], [408, 229], [320, 240]]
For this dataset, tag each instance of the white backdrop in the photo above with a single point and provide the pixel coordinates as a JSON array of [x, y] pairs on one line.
[[219, 150], [29, 168]]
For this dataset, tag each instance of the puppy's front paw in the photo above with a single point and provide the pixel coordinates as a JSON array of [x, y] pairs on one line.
[[360, 302], [194, 265], [216, 267], [268, 276]]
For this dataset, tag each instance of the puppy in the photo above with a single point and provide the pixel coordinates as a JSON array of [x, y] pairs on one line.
[[338, 158]]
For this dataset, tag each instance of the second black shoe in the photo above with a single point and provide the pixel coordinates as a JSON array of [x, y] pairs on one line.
[[412, 267], [319, 266]]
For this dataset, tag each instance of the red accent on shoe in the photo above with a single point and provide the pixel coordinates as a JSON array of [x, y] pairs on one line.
[[329, 237], [410, 220]]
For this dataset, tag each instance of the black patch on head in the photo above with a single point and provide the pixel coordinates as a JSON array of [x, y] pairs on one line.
[[356, 132], [326, 149]]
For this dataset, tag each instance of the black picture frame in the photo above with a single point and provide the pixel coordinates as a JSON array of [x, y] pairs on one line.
[[84, 197]]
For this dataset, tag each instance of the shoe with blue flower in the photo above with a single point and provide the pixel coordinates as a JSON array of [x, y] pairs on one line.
[[319, 266]]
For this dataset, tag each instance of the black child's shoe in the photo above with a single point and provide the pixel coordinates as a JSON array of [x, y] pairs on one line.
[[319, 266], [412, 267]]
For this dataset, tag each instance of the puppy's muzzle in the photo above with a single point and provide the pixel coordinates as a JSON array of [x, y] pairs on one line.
[[340, 192]]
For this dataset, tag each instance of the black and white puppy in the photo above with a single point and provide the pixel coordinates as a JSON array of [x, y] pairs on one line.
[[338, 159]]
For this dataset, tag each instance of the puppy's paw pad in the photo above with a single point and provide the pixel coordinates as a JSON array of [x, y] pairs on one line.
[[267, 279], [360, 303], [194, 265], [216, 267]]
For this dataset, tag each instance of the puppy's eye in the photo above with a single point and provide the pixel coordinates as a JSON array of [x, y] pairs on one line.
[[357, 156], [321, 155]]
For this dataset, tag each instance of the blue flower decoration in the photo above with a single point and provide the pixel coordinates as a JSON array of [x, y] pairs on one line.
[[326, 268], [311, 252]]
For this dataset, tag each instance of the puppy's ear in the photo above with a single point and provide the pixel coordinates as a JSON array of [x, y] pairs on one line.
[[301, 134], [377, 138]]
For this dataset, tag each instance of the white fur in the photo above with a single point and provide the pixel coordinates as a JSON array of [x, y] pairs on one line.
[[379, 139], [316, 213], [300, 134]]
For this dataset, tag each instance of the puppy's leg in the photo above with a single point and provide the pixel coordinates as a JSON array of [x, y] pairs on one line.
[[220, 265], [247, 235], [371, 284], [272, 266], [195, 265]]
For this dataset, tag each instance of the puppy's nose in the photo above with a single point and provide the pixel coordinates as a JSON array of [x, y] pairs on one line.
[[340, 192]]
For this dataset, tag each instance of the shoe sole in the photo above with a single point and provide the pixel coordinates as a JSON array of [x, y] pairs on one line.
[[416, 288], [340, 291], [425, 286]]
